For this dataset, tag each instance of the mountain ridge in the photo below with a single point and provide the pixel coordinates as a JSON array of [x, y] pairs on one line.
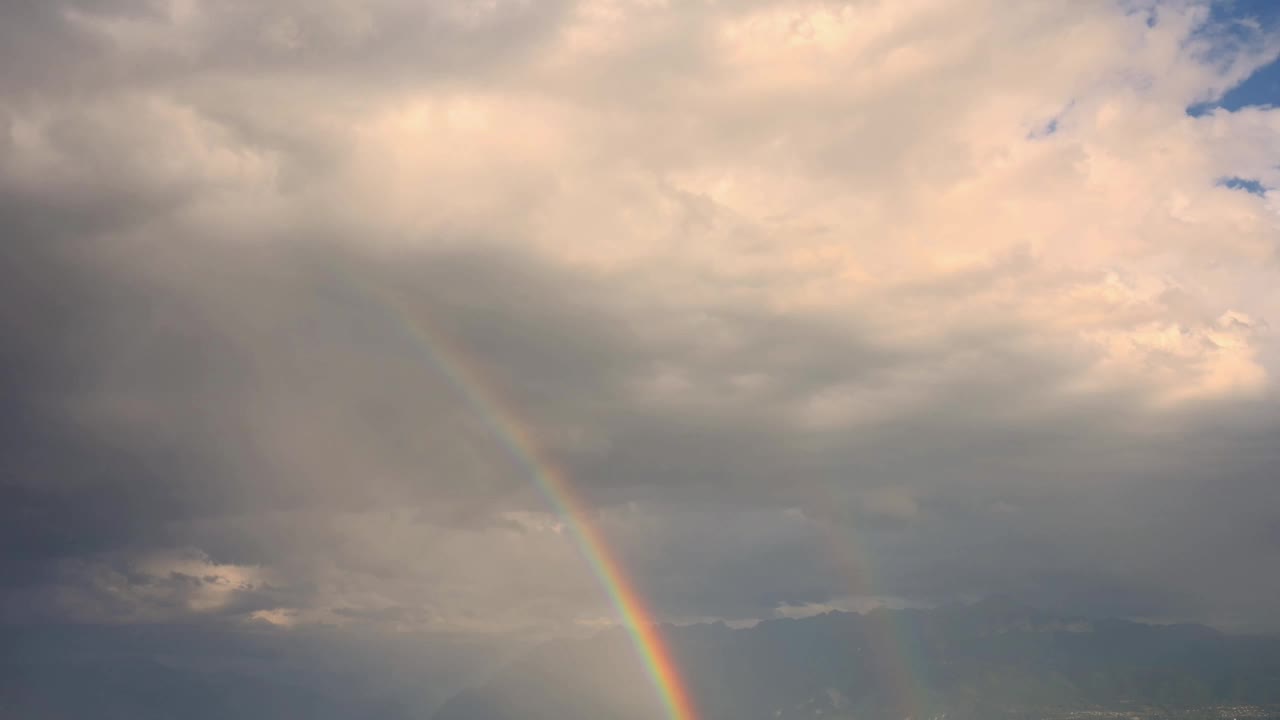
[[993, 657]]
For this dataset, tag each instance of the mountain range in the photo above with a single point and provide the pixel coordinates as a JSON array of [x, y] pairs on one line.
[[991, 659]]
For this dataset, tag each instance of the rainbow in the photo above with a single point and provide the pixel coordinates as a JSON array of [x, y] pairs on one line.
[[897, 667], [513, 433]]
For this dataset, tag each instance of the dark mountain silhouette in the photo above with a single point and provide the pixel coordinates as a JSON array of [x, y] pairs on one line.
[[995, 658], [214, 672]]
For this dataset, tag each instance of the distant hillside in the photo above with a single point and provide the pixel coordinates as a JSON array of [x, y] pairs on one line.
[[990, 659], [211, 672]]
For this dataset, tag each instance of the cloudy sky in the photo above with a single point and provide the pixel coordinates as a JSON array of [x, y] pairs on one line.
[[818, 304]]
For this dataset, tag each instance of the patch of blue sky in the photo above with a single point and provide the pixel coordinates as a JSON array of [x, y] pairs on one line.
[[1145, 8], [1052, 124], [1234, 26], [1253, 187]]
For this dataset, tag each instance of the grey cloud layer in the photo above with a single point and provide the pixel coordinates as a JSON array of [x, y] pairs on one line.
[[799, 342]]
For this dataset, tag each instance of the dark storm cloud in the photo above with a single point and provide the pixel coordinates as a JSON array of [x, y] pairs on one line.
[[120, 374], [153, 411]]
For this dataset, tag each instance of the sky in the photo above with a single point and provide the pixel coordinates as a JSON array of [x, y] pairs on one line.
[[817, 305]]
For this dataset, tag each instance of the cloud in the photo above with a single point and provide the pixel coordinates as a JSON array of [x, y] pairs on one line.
[[805, 297]]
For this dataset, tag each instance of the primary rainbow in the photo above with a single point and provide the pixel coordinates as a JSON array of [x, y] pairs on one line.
[[513, 433]]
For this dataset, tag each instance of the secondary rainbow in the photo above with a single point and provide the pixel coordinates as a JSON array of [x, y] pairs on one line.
[[895, 654], [513, 433]]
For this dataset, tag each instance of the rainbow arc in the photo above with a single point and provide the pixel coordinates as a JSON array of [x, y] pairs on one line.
[[513, 433]]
